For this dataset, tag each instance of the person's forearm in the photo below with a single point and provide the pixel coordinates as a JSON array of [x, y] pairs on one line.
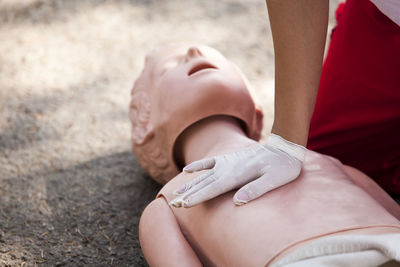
[[299, 32]]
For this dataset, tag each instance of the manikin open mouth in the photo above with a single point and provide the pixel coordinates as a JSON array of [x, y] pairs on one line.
[[200, 67]]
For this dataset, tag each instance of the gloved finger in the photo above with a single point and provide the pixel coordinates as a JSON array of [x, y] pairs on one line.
[[199, 165], [192, 183], [255, 189], [182, 200], [208, 192]]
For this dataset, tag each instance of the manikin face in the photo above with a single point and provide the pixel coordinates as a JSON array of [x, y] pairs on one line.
[[184, 73], [193, 67], [180, 85]]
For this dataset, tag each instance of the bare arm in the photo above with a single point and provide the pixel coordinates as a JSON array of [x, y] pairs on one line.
[[299, 33], [161, 239]]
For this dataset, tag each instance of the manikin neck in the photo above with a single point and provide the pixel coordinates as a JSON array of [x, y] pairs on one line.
[[209, 137]]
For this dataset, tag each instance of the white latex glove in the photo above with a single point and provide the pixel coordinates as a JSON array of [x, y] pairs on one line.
[[260, 168]]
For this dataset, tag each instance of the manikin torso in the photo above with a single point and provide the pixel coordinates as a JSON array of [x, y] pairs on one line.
[[324, 200]]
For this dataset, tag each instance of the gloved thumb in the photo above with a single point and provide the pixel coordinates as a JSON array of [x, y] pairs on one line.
[[254, 189]]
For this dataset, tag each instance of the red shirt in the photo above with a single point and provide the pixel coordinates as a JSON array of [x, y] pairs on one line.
[[357, 113]]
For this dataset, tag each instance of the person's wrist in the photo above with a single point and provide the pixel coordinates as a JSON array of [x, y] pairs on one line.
[[292, 127], [293, 149]]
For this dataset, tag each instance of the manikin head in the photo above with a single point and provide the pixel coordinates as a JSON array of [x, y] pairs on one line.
[[180, 85]]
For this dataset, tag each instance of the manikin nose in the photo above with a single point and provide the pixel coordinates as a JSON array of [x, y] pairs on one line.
[[193, 52]]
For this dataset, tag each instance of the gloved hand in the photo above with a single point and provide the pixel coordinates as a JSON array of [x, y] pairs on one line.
[[260, 168]]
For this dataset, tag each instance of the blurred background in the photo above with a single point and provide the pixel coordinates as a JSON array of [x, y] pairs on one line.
[[71, 191]]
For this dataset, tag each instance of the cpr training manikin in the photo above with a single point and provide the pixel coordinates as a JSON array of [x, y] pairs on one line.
[[190, 103]]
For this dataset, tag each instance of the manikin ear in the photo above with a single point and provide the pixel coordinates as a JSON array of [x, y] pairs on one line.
[[140, 137], [139, 113], [258, 122]]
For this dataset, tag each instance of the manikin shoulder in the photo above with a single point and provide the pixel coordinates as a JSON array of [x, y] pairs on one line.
[[161, 239]]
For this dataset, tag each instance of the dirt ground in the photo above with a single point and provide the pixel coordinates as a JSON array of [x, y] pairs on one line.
[[71, 191]]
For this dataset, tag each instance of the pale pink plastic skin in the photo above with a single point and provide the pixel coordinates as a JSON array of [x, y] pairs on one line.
[[327, 198], [172, 94]]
